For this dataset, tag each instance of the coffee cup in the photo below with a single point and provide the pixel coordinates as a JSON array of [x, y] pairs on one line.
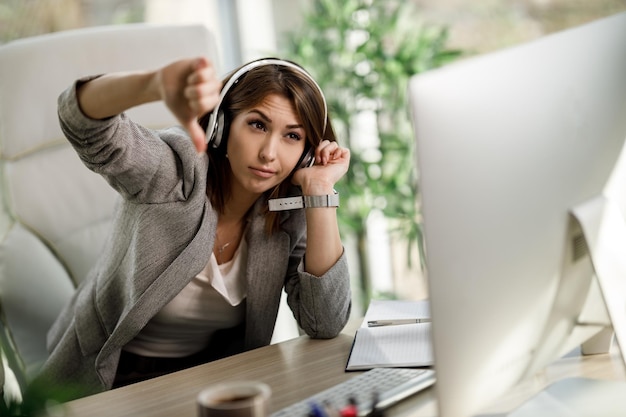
[[235, 399]]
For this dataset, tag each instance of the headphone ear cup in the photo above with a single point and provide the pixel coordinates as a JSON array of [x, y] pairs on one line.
[[308, 158], [218, 131]]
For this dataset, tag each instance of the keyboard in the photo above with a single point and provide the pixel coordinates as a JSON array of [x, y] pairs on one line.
[[387, 385]]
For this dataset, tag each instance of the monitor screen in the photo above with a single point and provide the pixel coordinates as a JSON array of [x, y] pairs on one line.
[[513, 149]]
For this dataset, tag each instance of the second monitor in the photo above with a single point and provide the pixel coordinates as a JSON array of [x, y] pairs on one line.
[[522, 195]]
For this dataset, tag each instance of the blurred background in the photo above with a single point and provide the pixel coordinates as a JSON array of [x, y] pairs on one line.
[[362, 53]]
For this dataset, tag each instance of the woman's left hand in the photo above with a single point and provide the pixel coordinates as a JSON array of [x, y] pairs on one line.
[[331, 163]]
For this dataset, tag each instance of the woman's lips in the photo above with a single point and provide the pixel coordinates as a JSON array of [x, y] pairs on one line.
[[262, 172]]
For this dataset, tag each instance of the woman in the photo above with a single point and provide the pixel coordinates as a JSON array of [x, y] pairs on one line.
[[195, 264]]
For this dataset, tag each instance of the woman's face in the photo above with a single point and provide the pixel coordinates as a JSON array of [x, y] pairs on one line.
[[264, 145]]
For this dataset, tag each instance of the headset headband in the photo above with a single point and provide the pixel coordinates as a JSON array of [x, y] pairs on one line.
[[213, 134]]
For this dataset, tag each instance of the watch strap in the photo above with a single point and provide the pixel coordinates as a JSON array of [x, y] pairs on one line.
[[328, 200], [288, 203], [307, 201]]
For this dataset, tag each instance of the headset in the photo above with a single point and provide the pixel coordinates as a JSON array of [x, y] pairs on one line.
[[215, 128]]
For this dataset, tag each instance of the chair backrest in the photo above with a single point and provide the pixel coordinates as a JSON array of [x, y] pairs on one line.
[[54, 213]]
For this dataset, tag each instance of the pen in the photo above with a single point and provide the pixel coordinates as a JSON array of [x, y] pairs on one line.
[[350, 410], [316, 411], [376, 410], [394, 322]]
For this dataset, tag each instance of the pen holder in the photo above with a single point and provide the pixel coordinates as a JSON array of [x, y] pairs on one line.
[[235, 399]]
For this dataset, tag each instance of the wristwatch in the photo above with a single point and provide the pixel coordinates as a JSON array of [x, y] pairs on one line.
[[306, 201]]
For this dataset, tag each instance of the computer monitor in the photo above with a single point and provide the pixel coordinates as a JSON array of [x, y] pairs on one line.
[[521, 179]]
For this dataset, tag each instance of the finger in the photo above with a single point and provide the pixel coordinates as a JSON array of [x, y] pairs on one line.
[[318, 151], [202, 98], [325, 143], [202, 72], [345, 156], [340, 153], [201, 63], [207, 88], [204, 104], [324, 151], [333, 152], [340, 156]]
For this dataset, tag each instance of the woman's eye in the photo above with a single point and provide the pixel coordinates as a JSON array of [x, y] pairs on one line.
[[257, 124], [294, 136]]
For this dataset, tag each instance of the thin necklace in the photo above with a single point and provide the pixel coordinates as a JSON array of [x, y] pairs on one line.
[[221, 247]]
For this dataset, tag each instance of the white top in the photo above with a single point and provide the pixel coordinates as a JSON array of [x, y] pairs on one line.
[[210, 302]]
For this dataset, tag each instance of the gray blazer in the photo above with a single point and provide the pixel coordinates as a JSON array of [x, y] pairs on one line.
[[163, 235]]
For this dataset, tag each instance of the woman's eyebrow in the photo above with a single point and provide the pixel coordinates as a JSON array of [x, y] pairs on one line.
[[263, 116], [266, 118]]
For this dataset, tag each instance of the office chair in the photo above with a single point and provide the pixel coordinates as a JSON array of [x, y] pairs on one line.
[[54, 212]]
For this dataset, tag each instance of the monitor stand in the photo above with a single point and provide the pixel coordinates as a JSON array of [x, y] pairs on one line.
[[577, 397], [604, 230]]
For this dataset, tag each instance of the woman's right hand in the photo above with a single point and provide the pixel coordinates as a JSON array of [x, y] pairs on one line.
[[189, 88]]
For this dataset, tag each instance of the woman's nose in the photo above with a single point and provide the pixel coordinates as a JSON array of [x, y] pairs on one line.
[[269, 148]]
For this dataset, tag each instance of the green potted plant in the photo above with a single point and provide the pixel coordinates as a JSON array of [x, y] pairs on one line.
[[362, 53]]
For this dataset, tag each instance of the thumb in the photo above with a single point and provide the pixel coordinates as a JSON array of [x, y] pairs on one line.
[[197, 135]]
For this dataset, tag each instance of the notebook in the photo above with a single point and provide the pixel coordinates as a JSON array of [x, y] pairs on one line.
[[392, 346]]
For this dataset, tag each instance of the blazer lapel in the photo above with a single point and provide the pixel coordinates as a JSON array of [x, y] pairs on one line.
[[265, 274], [168, 284]]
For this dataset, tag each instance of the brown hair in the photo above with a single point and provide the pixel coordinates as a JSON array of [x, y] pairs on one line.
[[248, 92]]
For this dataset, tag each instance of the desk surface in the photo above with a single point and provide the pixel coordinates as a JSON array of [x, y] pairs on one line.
[[296, 369]]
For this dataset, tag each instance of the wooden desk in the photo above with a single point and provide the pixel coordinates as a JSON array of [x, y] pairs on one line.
[[296, 369]]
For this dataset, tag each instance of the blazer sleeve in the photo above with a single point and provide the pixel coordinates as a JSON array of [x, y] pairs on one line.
[[141, 164], [321, 305]]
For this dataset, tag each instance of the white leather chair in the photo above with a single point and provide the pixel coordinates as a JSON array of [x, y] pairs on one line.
[[54, 213]]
